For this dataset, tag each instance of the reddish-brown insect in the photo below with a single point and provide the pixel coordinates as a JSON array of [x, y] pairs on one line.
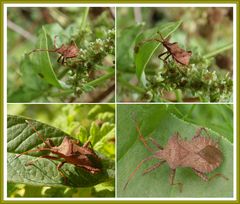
[[178, 54], [65, 51], [69, 150], [201, 154]]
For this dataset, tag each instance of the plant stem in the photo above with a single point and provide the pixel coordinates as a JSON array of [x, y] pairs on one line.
[[132, 71], [61, 93], [101, 79], [178, 94], [130, 86], [219, 50], [101, 67], [84, 20]]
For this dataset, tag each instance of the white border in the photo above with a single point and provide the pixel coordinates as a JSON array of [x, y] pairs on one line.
[[5, 6]]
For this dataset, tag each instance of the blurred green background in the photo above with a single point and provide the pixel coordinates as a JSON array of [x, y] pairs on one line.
[[81, 122]]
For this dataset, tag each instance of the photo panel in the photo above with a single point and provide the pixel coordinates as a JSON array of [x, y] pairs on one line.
[[65, 151], [60, 54], [175, 54], [175, 151]]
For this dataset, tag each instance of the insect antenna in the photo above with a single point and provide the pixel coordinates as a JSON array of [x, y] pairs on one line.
[[160, 36], [31, 150], [35, 50], [26, 152], [74, 43], [53, 50], [39, 135], [135, 170]]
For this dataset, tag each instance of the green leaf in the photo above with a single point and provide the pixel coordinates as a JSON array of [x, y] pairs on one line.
[[30, 79], [217, 115], [94, 133], [43, 172], [125, 45], [144, 52], [160, 124], [23, 94], [106, 144], [42, 61], [104, 190], [106, 128], [219, 50], [84, 19], [54, 29], [103, 112], [87, 88], [83, 134], [33, 85]]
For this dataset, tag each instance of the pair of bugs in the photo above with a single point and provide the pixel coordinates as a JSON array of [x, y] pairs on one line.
[[69, 151], [178, 54]]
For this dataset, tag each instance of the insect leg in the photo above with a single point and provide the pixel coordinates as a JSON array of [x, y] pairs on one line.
[[39, 135], [151, 168], [199, 131], [87, 143], [201, 175], [50, 142], [60, 57], [44, 156], [217, 175], [51, 158], [141, 136], [90, 169], [155, 143], [63, 60], [205, 177], [135, 170], [171, 179], [36, 50], [32, 150], [76, 142], [165, 59], [159, 56], [59, 166]]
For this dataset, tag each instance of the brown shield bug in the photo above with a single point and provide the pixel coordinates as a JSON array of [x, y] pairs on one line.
[[70, 152], [65, 51], [178, 54], [201, 154]]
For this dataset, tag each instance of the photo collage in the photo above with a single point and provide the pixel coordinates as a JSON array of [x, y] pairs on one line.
[[120, 101]]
